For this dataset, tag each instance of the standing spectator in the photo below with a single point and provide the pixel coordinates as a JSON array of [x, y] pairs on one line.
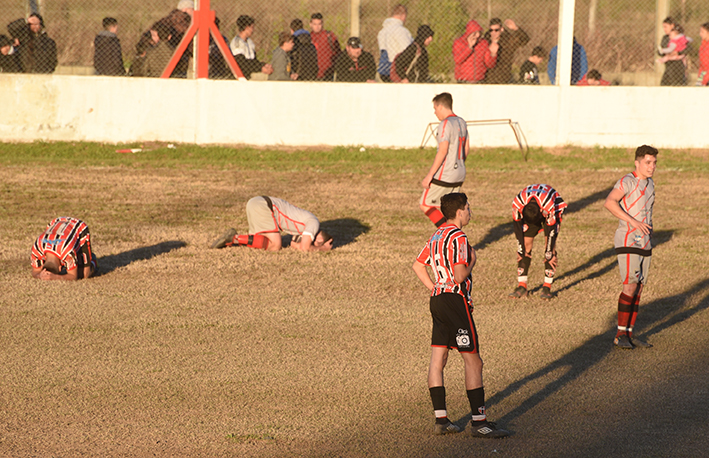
[[327, 46], [473, 55], [703, 76], [244, 49], [355, 65], [411, 66], [509, 38], [392, 39], [157, 57], [37, 53], [674, 74], [218, 67], [108, 58], [180, 21], [8, 61], [528, 73], [579, 63], [281, 60], [304, 57], [147, 41], [593, 78]]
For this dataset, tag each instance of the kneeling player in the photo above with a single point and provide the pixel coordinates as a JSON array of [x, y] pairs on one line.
[[451, 259], [63, 251], [537, 207], [268, 217]]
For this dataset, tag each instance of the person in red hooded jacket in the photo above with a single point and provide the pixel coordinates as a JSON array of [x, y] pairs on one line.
[[473, 55], [703, 76]]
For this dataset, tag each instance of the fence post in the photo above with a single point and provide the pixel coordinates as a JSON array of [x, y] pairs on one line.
[[565, 45], [354, 17], [662, 10]]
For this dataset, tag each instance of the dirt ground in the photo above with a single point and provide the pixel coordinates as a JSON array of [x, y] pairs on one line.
[[179, 350]]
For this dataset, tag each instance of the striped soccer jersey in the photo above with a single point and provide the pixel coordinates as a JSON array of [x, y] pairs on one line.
[[66, 237], [638, 199], [453, 130], [550, 202], [294, 220], [447, 247]]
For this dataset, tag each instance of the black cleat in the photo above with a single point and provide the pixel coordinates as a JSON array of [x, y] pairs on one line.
[[519, 291], [225, 239], [623, 342], [447, 428], [640, 343], [546, 293], [488, 430]]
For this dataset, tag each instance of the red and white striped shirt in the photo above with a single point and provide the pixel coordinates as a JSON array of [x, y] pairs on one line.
[[447, 247], [550, 202], [68, 238]]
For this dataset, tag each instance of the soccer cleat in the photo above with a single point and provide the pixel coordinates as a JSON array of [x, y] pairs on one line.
[[640, 343], [519, 291], [546, 293], [488, 430], [623, 342], [447, 428], [225, 239]]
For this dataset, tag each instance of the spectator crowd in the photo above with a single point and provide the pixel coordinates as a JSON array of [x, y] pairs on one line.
[[480, 56]]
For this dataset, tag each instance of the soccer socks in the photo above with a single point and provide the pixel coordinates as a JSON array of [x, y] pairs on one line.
[[633, 314], [476, 398], [435, 215], [625, 314], [438, 398], [523, 271], [252, 241], [549, 272]]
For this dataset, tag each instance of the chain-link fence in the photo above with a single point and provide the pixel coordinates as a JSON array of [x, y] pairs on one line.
[[620, 36]]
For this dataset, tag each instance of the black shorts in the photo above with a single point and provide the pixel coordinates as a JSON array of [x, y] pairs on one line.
[[531, 229], [453, 325]]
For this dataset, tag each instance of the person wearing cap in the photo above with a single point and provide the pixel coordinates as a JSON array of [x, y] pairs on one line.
[[355, 65], [8, 60], [186, 6], [411, 66]]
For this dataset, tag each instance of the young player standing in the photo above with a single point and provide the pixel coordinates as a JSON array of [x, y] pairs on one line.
[[631, 201], [537, 207], [451, 258], [447, 173], [63, 251]]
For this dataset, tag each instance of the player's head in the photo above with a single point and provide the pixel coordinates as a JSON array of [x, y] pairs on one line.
[[443, 105], [645, 161], [532, 213], [454, 202], [323, 240], [243, 22], [52, 263]]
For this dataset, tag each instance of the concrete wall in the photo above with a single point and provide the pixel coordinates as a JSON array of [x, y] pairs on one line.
[[120, 110]]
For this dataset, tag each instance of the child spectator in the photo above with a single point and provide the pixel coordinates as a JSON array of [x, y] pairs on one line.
[[108, 58], [703, 76], [528, 73], [593, 78], [678, 43], [281, 60]]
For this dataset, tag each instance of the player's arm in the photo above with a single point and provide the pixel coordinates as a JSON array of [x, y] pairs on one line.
[[422, 273], [612, 205], [519, 234], [467, 148], [437, 161], [462, 271], [44, 274]]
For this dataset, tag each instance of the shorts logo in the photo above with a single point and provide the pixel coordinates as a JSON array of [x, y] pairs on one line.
[[462, 339], [525, 228], [520, 271]]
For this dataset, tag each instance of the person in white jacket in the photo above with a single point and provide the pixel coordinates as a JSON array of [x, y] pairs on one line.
[[393, 39]]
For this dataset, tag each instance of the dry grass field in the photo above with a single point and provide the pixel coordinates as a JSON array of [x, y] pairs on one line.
[[179, 350]]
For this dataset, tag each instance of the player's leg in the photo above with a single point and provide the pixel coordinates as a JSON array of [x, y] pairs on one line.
[[440, 340], [550, 261], [644, 266], [430, 202], [525, 241], [479, 425], [630, 267]]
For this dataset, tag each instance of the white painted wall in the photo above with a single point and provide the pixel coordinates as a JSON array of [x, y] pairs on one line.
[[120, 110]]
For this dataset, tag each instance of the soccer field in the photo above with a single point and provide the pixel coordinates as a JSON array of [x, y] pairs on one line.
[[179, 350]]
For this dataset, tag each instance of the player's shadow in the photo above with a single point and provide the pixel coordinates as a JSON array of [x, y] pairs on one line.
[[108, 264], [658, 315], [503, 230], [344, 230], [658, 238]]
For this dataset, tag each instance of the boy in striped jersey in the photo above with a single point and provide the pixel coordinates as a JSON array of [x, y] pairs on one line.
[[537, 207], [447, 173], [452, 259], [631, 201], [63, 251]]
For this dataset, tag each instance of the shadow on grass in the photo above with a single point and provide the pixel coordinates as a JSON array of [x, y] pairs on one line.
[[108, 264], [656, 316], [344, 230], [503, 230]]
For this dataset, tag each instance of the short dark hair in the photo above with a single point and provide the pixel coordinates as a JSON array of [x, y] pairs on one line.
[[445, 99], [38, 16], [705, 26], [532, 213], [244, 21], [539, 51], [398, 10], [316, 16], [496, 21], [296, 24], [593, 75], [645, 150], [53, 264], [326, 237], [451, 203], [678, 28], [284, 37], [109, 22], [668, 20]]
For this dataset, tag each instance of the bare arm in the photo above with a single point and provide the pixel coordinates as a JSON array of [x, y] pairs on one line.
[[44, 274], [306, 244], [462, 271], [422, 273], [437, 161], [613, 206]]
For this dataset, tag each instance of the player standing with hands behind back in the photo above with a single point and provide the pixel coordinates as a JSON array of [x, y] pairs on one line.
[[631, 201], [452, 259], [447, 173]]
